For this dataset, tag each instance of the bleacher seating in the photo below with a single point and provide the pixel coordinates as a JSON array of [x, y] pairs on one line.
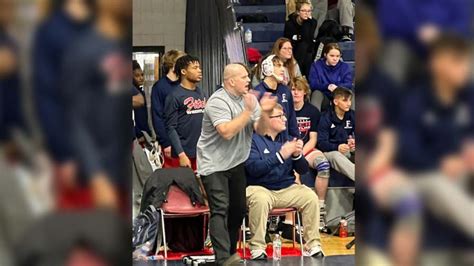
[[261, 2], [263, 34], [348, 51], [266, 33]]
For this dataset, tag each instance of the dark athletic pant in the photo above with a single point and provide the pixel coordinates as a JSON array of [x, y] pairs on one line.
[[227, 202]]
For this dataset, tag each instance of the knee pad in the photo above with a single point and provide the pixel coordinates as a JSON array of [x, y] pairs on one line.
[[409, 204], [322, 165]]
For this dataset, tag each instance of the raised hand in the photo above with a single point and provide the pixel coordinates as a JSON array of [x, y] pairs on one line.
[[250, 101], [268, 102]]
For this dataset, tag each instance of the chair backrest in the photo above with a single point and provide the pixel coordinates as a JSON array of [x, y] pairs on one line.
[[178, 201]]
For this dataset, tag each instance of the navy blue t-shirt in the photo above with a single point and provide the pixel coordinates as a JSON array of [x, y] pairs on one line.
[[184, 110], [308, 120]]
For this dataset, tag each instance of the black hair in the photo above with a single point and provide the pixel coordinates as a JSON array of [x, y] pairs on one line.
[[182, 63], [136, 65]]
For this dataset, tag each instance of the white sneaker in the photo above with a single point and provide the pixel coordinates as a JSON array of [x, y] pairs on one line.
[[258, 254], [315, 251]]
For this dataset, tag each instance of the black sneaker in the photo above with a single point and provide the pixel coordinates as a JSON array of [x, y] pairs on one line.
[[346, 38], [347, 34], [268, 239], [273, 224], [286, 230]]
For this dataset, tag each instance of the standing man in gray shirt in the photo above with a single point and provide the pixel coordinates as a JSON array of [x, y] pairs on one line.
[[230, 117]]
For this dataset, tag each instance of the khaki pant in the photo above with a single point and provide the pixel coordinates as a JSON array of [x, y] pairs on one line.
[[261, 201]]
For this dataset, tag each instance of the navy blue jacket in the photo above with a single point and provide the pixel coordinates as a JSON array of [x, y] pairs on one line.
[[159, 92], [141, 115], [430, 131], [50, 42], [265, 166], [285, 98], [11, 115], [98, 103], [321, 75], [332, 131]]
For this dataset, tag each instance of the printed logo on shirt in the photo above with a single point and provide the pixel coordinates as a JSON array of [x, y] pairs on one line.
[[348, 124], [266, 151], [116, 69], [195, 106], [283, 98], [333, 126], [304, 125]]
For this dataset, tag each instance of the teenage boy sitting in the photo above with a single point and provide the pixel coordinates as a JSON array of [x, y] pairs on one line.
[[336, 133]]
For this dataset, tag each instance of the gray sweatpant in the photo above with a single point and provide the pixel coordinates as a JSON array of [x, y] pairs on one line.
[[446, 200], [344, 13], [341, 163]]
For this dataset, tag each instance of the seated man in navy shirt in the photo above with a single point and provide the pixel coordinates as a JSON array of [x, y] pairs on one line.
[[271, 184], [336, 133]]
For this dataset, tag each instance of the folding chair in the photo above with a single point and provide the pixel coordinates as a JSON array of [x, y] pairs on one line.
[[179, 205], [276, 212]]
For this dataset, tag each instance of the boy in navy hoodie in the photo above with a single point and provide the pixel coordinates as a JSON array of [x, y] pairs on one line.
[[437, 130], [336, 133], [160, 90], [184, 109], [271, 184], [272, 75]]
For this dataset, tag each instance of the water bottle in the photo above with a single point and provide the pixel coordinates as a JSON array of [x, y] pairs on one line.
[[248, 35], [343, 228], [277, 247]]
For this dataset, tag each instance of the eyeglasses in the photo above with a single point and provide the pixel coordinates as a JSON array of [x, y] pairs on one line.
[[278, 116]]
